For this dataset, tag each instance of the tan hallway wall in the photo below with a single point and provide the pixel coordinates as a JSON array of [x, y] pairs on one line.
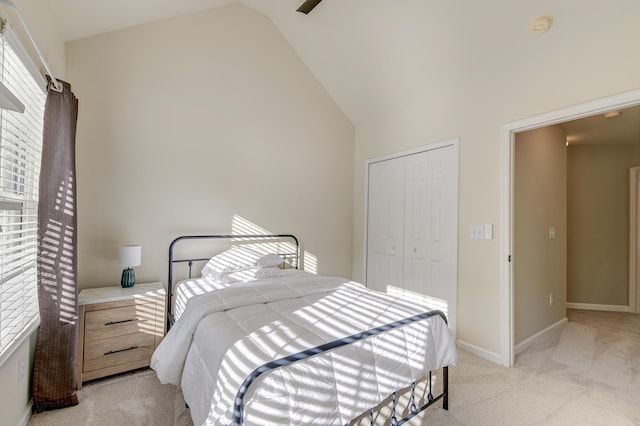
[[598, 223], [540, 203]]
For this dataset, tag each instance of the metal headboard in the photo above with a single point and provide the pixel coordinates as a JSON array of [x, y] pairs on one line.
[[293, 257]]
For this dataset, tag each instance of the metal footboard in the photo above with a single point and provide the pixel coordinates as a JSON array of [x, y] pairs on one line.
[[288, 360]]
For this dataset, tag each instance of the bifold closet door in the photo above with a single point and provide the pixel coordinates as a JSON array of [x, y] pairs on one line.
[[385, 225], [412, 227], [430, 229]]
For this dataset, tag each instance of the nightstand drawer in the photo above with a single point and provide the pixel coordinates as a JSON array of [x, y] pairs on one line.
[[115, 322], [118, 350]]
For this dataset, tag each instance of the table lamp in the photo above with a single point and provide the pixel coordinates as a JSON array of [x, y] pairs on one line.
[[130, 256]]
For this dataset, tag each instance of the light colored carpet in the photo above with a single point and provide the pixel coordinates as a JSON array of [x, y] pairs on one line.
[[128, 399], [588, 373]]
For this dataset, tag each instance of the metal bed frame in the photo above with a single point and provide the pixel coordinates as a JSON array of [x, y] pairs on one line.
[[294, 258], [244, 239]]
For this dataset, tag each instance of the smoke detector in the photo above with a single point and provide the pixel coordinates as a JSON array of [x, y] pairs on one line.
[[541, 24]]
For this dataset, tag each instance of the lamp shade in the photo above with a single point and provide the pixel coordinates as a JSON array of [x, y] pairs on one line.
[[130, 256]]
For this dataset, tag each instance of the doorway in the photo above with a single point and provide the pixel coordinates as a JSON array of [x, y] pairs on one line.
[[508, 133]]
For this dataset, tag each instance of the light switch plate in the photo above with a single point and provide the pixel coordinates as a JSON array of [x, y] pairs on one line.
[[476, 232], [488, 231]]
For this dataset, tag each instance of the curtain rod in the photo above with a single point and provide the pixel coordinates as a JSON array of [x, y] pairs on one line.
[[55, 82]]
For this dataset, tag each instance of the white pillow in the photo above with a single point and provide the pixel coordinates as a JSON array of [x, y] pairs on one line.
[[269, 260], [241, 276], [270, 272], [238, 264], [234, 259]]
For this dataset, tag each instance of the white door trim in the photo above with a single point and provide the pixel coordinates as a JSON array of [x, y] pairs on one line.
[[508, 132]]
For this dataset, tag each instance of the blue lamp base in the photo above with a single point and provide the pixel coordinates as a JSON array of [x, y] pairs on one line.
[[128, 278]]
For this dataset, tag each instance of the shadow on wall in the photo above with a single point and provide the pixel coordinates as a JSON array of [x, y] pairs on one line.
[[240, 225]]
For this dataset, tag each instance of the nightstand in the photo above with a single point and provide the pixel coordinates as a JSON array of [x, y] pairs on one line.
[[119, 328]]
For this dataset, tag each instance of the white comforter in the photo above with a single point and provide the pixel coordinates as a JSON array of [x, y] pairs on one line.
[[224, 335]]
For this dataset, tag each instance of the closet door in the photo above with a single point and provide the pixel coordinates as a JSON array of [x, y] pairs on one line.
[[385, 229], [417, 223], [430, 229], [412, 227]]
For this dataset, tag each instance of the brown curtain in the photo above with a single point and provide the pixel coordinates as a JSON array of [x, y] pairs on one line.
[[54, 379]]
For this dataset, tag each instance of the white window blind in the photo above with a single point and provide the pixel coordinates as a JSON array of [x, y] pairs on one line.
[[20, 152]]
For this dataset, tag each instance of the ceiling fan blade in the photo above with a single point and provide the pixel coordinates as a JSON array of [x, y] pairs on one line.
[[308, 6]]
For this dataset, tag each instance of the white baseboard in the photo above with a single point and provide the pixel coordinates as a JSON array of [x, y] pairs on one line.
[[480, 352], [26, 416], [593, 307], [522, 346]]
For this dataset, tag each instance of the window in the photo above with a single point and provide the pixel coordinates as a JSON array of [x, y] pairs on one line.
[[20, 151]]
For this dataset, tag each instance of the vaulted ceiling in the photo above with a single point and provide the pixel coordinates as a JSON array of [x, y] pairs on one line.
[[374, 56]]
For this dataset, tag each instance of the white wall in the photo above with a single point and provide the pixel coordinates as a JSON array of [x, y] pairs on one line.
[[189, 123], [572, 64], [14, 394]]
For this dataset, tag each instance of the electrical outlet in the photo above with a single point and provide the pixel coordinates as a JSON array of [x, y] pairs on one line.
[[22, 369], [550, 299]]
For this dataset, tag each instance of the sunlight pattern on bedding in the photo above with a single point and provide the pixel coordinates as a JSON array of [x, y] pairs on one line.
[[230, 332]]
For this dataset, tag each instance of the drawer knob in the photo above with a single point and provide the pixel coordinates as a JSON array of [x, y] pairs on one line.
[[121, 350], [120, 322]]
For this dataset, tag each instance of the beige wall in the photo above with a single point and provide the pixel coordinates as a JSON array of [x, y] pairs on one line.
[[598, 224], [14, 394], [187, 124], [504, 83], [540, 203]]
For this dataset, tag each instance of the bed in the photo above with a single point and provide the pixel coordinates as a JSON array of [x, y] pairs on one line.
[[255, 340]]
